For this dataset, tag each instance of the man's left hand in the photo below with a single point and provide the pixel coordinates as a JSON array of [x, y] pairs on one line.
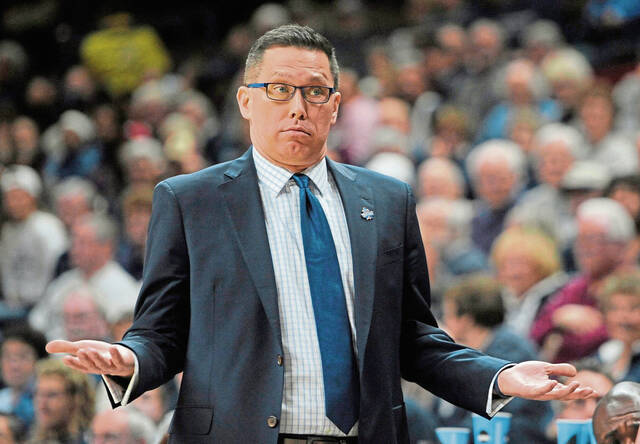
[[531, 380]]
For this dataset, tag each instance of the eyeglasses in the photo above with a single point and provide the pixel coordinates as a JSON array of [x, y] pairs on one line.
[[283, 92]]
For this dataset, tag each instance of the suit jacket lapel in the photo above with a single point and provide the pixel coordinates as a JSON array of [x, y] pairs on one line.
[[242, 198], [364, 247]]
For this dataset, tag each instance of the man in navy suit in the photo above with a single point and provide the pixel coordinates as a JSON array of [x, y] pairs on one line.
[[229, 295]]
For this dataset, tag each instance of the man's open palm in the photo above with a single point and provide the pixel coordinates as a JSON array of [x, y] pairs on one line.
[[531, 380], [95, 357]]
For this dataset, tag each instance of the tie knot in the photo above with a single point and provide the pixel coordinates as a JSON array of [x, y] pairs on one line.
[[302, 180]]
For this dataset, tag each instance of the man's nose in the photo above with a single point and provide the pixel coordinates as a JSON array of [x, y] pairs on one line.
[[298, 106]]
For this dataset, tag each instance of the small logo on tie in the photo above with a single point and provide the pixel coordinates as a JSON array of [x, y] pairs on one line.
[[366, 213]]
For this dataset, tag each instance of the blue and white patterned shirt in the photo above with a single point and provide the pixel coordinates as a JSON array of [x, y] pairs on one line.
[[303, 404]]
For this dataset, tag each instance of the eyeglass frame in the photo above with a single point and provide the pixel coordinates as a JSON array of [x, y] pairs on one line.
[[266, 90]]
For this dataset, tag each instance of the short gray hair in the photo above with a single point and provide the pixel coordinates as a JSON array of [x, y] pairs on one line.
[[292, 35], [104, 227], [611, 214], [141, 427], [494, 150], [559, 132]]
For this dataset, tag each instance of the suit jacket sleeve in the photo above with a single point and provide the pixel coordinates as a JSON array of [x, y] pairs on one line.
[[429, 356], [159, 332]]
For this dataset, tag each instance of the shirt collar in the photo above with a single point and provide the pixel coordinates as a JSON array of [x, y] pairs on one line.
[[276, 178]]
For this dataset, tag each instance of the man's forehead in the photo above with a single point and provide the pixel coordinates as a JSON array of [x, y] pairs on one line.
[[292, 61]]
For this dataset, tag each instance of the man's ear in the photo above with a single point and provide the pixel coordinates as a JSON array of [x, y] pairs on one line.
[[244, 100], [336, 105]]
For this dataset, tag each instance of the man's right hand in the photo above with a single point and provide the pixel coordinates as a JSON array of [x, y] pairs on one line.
[[95, 357]]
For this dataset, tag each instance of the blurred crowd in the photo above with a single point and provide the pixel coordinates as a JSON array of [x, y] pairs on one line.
[[516, 123]]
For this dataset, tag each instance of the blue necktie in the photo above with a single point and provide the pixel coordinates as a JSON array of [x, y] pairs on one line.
[[339, 370]]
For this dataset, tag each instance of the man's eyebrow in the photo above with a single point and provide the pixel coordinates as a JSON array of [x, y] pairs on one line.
[[286, 75]]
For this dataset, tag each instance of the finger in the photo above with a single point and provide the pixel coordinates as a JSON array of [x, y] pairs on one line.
[[77, 364], [100, 360], [93, 360], [117, 358], [561, 391], [581, 393], [563, 369], [544, 388], [60, 346]]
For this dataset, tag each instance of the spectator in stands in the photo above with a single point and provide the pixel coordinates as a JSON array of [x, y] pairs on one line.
[[441, 178], [74, 150], [606, 146], [21, 348], [83, 317], [121, 55], [30, 241], [157, 402], [556, 147], [136, 209], [123, 426], [496, 169], [626, 95], [626, 191], [570, 75], [529, 266], [64, 402], [12, 430], [541, 38], [570, 326], [451, 135], [524, 89], [619, 297], [144, 161], [617, 414], [92, 249], [25, 141], [473, 315], [357, 119]]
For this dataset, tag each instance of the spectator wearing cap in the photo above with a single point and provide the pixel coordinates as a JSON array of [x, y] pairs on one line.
[[555, 148], [473, 314], [571, 326], [31, 241], [619, 299], [497, 170], [606, 145], [93, 242], [73, 149], [21, 348]]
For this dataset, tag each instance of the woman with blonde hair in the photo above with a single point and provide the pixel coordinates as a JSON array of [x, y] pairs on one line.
[[528, 265], [64, 404]]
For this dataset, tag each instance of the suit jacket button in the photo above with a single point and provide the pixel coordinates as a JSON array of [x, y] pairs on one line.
[[280, 360], [272, 421]]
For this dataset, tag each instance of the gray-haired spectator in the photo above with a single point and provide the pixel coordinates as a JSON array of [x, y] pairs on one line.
[[25, 144], [522, 87], [92, 248], [570, 75], [606, 146], [124, 425], [30, 241], [540, 38], [556, 148], [143, 160], [393, 164], [440, 177], [571, 326], [497, 169], [83, 315]]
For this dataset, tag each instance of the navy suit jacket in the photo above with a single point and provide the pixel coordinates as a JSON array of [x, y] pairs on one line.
[[209, 307]]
